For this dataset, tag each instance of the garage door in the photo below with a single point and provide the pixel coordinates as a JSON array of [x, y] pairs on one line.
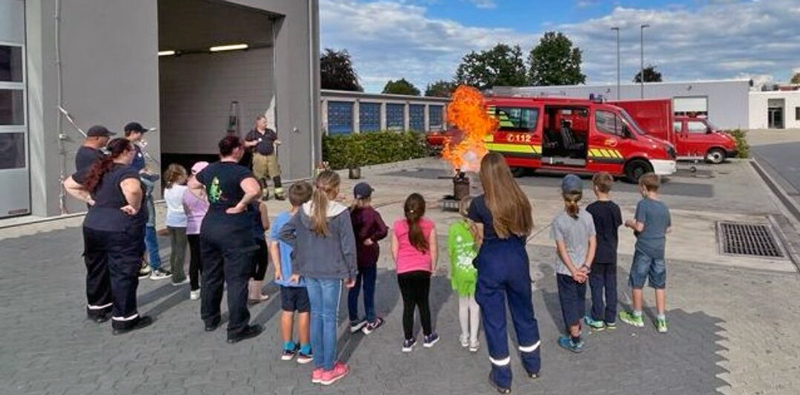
[[697, 105]]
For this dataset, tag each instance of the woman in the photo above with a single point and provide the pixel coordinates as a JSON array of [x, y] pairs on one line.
[[504, 220], [226, 241], [113, 232]]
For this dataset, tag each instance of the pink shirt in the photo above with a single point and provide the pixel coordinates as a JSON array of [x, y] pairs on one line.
[[409, 258], [195, 211]]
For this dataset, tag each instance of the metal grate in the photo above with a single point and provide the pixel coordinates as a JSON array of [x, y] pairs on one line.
[[748, 239]]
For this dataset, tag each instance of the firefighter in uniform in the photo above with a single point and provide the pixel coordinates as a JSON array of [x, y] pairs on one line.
[[503, 271], [112, 233], [264, 143]]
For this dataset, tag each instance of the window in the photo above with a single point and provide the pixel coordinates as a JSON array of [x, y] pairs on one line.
[[514, 119], [416, 113], [608, 123], [797, 113], [696, 127], [369, 117], [12, 151], [340, 117], [395, 116], [12, 107], [435, 117], [677, 127], [10, 63]]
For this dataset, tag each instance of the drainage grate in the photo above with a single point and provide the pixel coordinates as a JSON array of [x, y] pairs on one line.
[[748, 239]]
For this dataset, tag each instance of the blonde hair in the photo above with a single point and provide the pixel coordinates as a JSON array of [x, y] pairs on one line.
[[326, 187], [361, 203], [650, 181], [511, 210], [603, 181], [174, 173], [572, 199]]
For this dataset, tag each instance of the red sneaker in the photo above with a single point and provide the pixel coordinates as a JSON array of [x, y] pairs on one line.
[[316, 376], [337, 373]]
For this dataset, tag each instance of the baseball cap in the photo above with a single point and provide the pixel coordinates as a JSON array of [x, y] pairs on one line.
[[99, 131], [362, 190], [135, 127], [199, 166], [571, 183]]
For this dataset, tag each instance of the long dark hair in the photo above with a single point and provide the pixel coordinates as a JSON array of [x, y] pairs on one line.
[[117, 148], [414, 209]]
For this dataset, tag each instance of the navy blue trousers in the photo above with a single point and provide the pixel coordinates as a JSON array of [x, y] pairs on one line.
[[504, 274], [603, 281]]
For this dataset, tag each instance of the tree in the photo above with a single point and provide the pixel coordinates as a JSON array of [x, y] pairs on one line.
[[336, 71], [651, 74], [440, 88], [500, 66], [401, 87], [795, 79], [555, 62]]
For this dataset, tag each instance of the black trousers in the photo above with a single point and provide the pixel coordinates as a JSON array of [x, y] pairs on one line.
[[227, 257], [112, 271], [415, 288], [194, 261], [260, 260]]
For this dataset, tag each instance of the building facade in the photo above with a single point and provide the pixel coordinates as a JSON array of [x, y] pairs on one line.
[[356, 112], [99, 63], [779, 109]]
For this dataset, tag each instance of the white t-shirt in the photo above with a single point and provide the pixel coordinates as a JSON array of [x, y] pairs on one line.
[[176, 217]]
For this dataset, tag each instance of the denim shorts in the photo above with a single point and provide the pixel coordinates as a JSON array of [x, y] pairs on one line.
[[645, 267]]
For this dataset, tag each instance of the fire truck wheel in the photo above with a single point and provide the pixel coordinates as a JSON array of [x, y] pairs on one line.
[[637, 168], [715, 156]]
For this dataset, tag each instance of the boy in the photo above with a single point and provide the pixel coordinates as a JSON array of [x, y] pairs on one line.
[[651, 225], [294, 296], [603, 278]]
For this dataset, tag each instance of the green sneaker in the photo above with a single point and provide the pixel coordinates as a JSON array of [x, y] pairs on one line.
[[631, 319], [595, 325], [661, 325], [611, 325]]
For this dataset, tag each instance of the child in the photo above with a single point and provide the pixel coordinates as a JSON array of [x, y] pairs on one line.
[[603, 277], [195, 205], [260, 214], [574, 233], [463, 275], [369, 229], [321, 236], [651, 225], [155, 271], [414, 251], [294, 296], [176, 178]]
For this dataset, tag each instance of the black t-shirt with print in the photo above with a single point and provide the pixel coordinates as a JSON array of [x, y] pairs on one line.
[[105, 214], [266, 141], [222, 181]]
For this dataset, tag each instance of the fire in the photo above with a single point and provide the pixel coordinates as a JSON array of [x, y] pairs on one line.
[[467, 112]]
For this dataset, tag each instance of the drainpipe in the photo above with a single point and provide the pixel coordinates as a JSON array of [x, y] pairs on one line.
[[62, 202], [312, 86]]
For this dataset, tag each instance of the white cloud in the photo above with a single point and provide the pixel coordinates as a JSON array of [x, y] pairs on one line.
[[484, 3], [722, 39]]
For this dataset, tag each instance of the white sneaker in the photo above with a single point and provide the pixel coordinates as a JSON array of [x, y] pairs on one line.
[[464, 339], [159, 274], [179, 283], [194, 295], [474, 346]]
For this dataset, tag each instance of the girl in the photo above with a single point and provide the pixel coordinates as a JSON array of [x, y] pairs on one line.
[[321, 236], [463, 276], [414, 251], [574, 233], [369, 229], [261, 257], [195, 205], [176, 178], [504, 220]]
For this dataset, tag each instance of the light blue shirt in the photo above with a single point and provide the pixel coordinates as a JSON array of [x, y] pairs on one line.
[[285, 251]]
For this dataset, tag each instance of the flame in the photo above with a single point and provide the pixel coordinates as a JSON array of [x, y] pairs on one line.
[[467, 112]]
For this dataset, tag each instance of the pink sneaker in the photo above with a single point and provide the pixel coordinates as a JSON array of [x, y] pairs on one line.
[[337, 373], [316, 376]]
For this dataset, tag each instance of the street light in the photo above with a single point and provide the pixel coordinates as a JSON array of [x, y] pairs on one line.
[[641, 69], [616, 28]]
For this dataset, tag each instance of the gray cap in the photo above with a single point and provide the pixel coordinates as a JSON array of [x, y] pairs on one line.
[[571, 183]]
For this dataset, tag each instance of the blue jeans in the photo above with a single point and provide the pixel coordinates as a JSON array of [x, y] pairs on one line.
[[366, 277], [324, 296], [151, 243]]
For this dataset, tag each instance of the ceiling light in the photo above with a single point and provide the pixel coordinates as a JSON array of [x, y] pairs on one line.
[[228, 47], [166, 53]]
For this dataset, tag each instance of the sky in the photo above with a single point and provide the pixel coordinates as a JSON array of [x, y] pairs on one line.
[[424, 40]]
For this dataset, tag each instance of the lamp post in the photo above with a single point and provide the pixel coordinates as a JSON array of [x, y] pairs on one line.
[[616, 28], [641, 69]]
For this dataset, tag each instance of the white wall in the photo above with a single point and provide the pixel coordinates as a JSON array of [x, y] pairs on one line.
[[759, 115]]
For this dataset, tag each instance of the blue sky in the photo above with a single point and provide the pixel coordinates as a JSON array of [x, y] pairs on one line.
[[424, 40]]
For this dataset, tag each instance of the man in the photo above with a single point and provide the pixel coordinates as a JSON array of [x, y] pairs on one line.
[[134, 132], [264, 144], [96, 138]]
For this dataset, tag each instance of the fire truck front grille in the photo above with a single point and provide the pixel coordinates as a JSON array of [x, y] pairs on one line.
[[748, 239]]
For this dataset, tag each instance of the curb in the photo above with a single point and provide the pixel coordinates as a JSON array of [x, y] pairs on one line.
[[782, 195]]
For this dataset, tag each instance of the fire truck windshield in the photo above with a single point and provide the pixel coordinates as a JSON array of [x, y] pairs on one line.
[[631, 122]]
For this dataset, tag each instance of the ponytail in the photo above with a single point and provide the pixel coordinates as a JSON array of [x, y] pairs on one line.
[[571, 199], [414, 209], [327, 184], [117, 147]]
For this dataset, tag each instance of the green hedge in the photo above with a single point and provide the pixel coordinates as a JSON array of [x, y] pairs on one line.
[[373, 148], [742, 146]]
